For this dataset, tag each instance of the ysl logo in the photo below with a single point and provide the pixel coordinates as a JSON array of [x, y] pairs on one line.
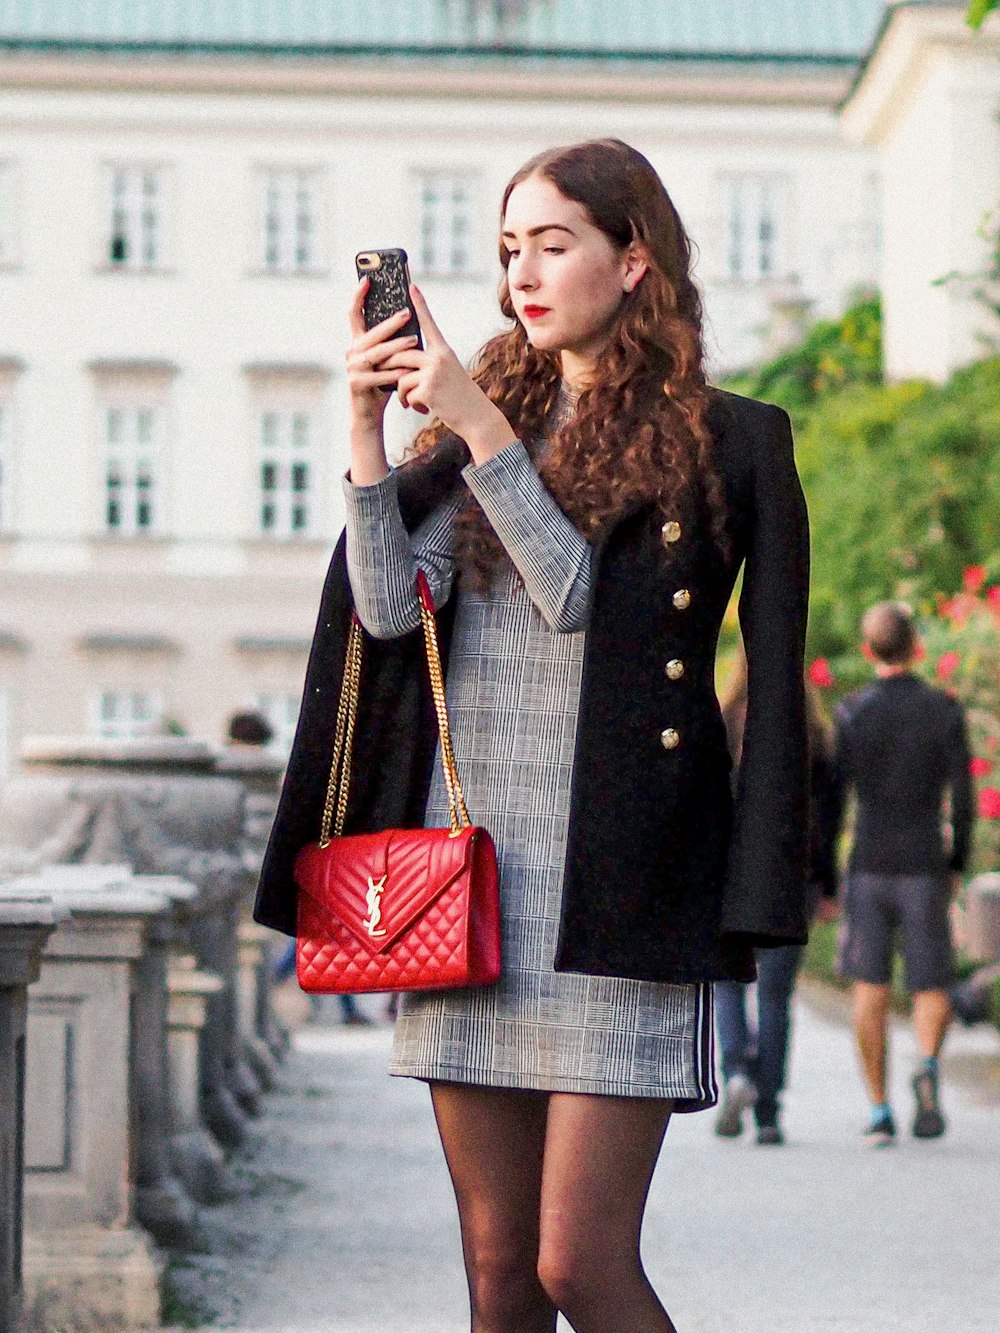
[[373, 898]]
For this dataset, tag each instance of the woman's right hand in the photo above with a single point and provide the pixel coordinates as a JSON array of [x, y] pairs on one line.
[[370, 368]]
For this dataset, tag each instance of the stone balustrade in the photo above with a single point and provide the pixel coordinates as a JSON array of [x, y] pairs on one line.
[[152, 856], [25, 926], [87, 1263]]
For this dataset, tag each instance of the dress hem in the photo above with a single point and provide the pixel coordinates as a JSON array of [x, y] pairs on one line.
[[683, 1104]]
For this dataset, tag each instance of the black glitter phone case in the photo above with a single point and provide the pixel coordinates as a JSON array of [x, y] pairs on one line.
[[388, 277]]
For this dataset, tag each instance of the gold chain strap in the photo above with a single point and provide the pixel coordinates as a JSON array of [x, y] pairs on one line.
[[335, 805], [343, 741]]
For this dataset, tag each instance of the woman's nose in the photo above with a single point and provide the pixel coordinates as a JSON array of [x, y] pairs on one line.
[[523, 278]]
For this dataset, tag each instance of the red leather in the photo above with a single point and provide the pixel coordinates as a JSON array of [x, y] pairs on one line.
[[439, 907]]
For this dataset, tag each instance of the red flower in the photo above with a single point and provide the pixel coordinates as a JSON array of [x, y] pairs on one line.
[[993, 597], [947, 663], [989, 802], [820, 673], [979, 767], [973, 578]]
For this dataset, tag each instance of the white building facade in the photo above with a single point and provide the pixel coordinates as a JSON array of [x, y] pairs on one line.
[[928, 100], [177, 230]]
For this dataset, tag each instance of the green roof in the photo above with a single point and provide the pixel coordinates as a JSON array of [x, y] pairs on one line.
[[787, 30]]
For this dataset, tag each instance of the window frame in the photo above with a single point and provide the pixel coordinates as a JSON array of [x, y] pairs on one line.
[[280, 455], [766, 197], [286, 263], [133, 728], [427, 263], [10, 198], [135, 168]]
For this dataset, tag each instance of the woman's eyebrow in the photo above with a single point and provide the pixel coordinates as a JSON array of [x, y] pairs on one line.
[[537, 231]]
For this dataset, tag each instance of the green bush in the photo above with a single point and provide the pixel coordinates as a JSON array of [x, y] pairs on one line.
[[902, 480]]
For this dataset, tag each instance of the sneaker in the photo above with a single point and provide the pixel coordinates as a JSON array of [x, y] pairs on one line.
[[881, 1132], [928, 1123], [737, 1097], [768, 1135]]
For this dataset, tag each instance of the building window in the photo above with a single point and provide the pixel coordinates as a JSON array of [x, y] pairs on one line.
[[756, 228], [289, 233], [135, 236], [125, 713], [131, 466], [7, 228], [6, 468], [5, 738], [285, 472], [281, 709], [446, 215]]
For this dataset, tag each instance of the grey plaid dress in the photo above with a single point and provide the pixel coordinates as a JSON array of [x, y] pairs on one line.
[[513, 692]]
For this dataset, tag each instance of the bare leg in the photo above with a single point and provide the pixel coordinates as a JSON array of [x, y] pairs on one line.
[[599, 1158], [871, 1026], [931, 1017], [494, 1140]]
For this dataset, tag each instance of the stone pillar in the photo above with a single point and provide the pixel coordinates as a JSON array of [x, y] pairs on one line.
[[254, 979], [196, 1156], [25, 926], [157, 805], [982, 917], [87, 1265]]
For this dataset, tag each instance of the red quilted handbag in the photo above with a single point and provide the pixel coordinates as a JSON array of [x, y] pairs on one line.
[[404, 909]]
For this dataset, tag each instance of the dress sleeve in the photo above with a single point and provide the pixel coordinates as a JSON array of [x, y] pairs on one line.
[[552, 558], [383, 558], [768, 866]]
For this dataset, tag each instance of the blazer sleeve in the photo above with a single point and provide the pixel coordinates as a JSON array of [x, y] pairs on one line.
[[766, 898]]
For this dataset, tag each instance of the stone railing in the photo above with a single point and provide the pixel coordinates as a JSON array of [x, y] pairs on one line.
[[145, 850], [25, 926]]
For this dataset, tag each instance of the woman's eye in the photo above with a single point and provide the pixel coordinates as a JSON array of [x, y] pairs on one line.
[[555, 249], [513, 254]]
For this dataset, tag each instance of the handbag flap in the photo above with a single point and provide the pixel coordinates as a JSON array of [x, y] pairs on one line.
[[376, 885]]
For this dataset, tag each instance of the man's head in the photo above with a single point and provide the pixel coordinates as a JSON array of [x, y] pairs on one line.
[[249, 728], [889, 634]]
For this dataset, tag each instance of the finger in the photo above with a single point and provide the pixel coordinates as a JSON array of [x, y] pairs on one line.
[[376, 379], [411, 358], [408, 383], [355, 311], [432, 334], [380, 332], [378, 355]]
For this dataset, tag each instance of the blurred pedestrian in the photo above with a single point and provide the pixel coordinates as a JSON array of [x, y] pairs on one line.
[[754, 1060], [580, 505], [901, 745], [249, 728]]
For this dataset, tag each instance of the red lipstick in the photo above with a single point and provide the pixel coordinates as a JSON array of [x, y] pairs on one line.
[[534, 311]]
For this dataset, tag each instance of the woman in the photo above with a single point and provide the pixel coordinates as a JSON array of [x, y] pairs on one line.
[[754, 1063], [581, 505]]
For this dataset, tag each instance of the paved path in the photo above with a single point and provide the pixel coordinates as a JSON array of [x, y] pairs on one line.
[[348, 1225]]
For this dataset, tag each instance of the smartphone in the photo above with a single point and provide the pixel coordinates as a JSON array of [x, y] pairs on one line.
[[388, 274]]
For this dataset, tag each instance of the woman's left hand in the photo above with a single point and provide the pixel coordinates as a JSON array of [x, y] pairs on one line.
[[436, 382]]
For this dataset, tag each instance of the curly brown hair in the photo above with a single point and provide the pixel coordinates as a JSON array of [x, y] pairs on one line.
[[639, 430]]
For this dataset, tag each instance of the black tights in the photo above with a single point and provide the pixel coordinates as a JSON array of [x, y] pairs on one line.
[[551, 1189]]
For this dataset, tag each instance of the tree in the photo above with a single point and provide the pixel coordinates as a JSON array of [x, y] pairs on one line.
[[977, 11]]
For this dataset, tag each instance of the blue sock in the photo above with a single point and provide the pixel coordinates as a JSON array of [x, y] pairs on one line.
[[930, 1063], [881, 1111]]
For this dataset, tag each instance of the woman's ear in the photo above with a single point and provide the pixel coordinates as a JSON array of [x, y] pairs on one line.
[[635, 265]]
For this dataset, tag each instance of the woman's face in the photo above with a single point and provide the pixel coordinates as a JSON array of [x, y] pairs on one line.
[[567, 279]]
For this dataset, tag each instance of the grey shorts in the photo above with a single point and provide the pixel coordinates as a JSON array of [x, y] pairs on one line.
[[876, 908]]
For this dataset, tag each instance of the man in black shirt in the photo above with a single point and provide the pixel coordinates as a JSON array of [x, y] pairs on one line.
[[902, 746]]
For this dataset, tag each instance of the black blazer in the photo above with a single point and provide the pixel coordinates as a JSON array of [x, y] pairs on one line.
[[665, 880]]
